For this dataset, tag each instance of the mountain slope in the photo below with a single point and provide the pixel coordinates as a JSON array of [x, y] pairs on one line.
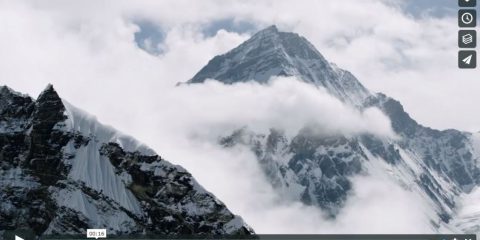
[[272, 53], [63, 172], [440, 167]]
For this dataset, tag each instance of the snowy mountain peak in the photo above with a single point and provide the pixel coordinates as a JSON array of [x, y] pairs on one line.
[[287, 44], [49, 87], [270, 29], [271, 53], [49, 111], [48, 94]]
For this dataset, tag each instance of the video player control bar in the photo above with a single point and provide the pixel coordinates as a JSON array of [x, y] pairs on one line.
[[296, 237]]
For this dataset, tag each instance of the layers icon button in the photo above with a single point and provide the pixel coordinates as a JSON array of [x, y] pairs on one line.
[[467, 39]]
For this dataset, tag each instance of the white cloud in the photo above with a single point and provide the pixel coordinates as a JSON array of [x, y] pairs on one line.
[[215, 109], [377, 205], [468, 213]]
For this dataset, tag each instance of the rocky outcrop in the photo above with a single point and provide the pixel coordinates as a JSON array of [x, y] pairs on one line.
[[62, 172]]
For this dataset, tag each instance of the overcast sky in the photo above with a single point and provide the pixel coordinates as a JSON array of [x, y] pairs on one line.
[[120, 61], [406, 49]]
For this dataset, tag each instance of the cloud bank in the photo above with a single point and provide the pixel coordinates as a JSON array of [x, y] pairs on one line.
[[377, 205], [285, 103]]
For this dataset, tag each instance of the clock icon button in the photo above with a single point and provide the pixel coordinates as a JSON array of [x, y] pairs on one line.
[[467, 18]]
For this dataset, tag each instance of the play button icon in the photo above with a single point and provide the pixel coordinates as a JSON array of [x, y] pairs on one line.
[[18, 234]]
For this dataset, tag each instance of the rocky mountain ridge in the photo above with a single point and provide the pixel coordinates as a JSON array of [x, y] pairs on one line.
[[62, 172]]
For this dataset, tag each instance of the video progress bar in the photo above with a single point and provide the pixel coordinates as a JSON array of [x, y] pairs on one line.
[[291, 237]]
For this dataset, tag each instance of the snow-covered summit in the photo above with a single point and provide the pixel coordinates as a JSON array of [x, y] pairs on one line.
[[270, 53]]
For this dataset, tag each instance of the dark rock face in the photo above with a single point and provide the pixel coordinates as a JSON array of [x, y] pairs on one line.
[[329, 155], [169, 194], [45, 155], [39, 191], [14, 108], [34, 155], [401, 121], [448, 152], [313, 168], [378, 148]]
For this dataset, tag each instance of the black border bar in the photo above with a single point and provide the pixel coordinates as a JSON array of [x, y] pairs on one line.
[[286, 237]]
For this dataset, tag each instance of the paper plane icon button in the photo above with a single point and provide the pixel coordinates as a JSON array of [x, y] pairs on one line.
[[467, 59]]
